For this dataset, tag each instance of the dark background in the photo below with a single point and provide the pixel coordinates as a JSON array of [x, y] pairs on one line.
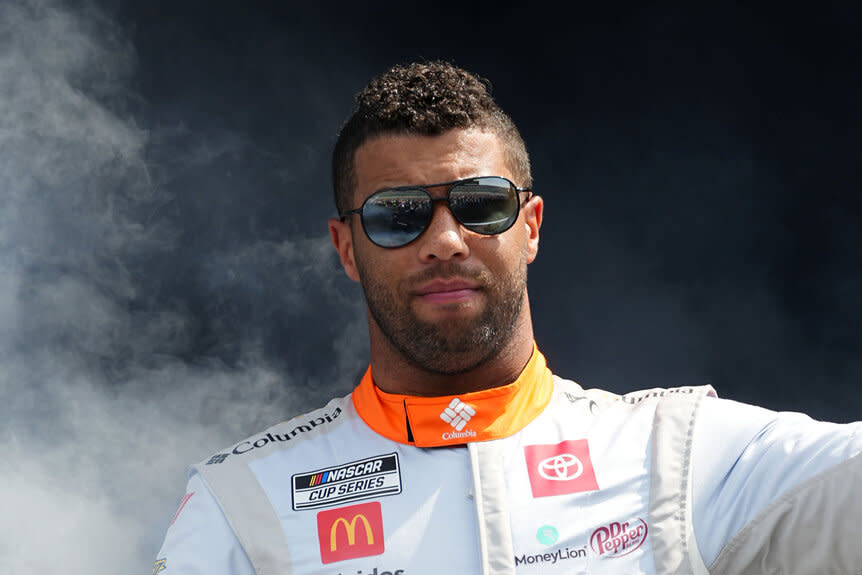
[[167, 286], [700, 168]]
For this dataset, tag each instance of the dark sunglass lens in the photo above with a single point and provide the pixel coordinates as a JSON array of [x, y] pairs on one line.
[[485, 205], [394, 218]]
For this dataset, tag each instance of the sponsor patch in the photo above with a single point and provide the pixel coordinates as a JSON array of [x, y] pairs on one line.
[[457, 414], [552, 557], [593, 406], [217, 458], [547, 534], [350, 532], [372, 477], [639, 396], [560, 469], [617, 539], [272, 438]]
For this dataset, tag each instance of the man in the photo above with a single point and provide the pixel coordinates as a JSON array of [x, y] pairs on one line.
[[459, 451]]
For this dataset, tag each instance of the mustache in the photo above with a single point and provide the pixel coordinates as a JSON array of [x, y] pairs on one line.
[[448, 270]]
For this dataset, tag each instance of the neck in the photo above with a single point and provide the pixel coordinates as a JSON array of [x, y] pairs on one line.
[[393, 373]]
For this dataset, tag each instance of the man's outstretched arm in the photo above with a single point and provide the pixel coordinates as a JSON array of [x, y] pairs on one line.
[[776, 491]]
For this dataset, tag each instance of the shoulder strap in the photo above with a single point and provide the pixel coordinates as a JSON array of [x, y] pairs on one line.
[[495, 532], [245, 504], [671, 529], [250, 515]]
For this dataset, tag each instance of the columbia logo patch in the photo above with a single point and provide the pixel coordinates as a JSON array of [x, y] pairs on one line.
[[457, 414], [217, 458], [363, 479]]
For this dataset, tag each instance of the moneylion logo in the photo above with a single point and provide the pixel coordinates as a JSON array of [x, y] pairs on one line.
[[564, 467], [350, 532]]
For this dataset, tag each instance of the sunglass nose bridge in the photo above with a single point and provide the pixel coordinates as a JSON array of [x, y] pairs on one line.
[[444, 237]]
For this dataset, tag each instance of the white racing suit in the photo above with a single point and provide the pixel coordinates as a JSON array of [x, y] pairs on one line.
[[540, 476]]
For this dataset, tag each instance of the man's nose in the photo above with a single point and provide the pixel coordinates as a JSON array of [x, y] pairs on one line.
[[444, 238]]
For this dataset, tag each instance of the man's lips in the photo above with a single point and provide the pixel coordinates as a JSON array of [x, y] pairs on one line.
[[446, 291]]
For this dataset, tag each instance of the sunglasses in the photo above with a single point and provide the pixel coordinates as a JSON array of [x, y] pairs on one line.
[[394, 217]]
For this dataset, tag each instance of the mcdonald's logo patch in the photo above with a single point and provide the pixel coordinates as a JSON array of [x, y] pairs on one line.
[[350, 532]]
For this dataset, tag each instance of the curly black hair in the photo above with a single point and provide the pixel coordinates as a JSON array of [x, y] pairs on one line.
[[424, 99]]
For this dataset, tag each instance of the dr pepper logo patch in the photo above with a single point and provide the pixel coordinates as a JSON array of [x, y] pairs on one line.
[[560, 469], [350, 532], [617, 539]]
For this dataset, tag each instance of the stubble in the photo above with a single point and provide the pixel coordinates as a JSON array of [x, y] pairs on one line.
[[453, 346]]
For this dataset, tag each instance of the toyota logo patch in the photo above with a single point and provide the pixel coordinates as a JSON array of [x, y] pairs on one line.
[[561, 468]]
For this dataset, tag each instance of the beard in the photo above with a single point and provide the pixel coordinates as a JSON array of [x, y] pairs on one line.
[[450, 346]]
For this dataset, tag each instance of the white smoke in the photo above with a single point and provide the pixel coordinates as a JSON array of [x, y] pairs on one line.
[[103, 403]]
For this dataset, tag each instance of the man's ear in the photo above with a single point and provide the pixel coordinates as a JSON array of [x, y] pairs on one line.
[[342, 239], [533, 210]]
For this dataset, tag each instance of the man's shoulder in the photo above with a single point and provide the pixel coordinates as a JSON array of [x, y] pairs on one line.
[[573, 392], [660, 393], [286, 434]]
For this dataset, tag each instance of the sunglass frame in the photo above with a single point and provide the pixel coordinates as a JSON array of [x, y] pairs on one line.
[[449, 187]]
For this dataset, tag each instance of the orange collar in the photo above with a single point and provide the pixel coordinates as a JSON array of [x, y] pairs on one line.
[[456, 419]]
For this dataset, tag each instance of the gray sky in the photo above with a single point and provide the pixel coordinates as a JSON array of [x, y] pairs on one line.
[[167, 285]]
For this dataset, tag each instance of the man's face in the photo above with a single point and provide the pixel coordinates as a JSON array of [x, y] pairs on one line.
[[451, 298]]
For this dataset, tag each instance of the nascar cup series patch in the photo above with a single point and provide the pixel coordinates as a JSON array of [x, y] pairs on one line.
[[363, 479]]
